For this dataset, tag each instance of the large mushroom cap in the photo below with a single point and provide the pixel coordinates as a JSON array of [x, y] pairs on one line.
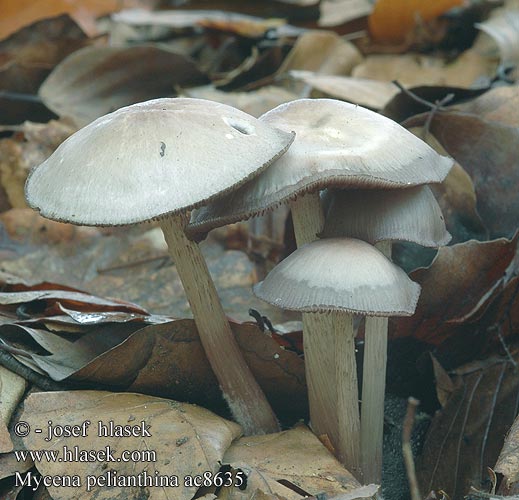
[[374, 215], [337, 145], [340, 274], [149, 159]]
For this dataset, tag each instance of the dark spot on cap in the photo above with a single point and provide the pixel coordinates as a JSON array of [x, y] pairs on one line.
[[162, 149]]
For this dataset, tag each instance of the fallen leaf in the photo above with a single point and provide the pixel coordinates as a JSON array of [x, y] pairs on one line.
[[323, 52], [25, 12], [413, 70], [290, 461], [373, 94], [25, 150], [466, 436], [508, 462], [503, 27], [98, 80], [457, 287], [254, 102], [337, 12], [12, 389], [10, 464], [178, 440], [393, 20]]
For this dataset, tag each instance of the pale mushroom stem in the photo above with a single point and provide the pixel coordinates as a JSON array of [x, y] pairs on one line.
[[334, 406], [373, 390], [242, 393]]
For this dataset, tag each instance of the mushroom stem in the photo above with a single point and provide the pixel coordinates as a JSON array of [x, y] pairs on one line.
[[242, 393], [325, 335], [347, 392], [373, 390]]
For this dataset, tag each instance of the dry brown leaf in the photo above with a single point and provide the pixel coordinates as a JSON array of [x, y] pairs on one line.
[[97, 80], [187, 440], [254, 102], [294, 457], [12, 389], [10, 464], [16, 15], [240, 24], [373, 94], [467, 435], [337, 12], [163, 360], [482, 136], [508, 462], [323, 52], [18, 154], [413, 70], [456, 288], [393, 20]]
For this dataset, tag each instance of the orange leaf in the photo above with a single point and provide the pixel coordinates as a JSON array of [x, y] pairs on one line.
[[17, 14], [392, 20]]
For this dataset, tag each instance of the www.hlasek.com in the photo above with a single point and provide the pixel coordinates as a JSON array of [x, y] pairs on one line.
[[109, 478]]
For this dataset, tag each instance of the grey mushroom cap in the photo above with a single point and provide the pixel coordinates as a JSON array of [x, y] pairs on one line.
[[340, 274], [151, 159], [337, 145], [411, 214]]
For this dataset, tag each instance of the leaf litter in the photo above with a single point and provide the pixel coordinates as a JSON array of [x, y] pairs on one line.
[[99, 308]]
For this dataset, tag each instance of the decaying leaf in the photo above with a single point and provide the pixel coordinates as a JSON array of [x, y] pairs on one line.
[[97, 80], [482, 136], [12, 388], [337, 12], [467, 435], [171, 439], [289, 464]]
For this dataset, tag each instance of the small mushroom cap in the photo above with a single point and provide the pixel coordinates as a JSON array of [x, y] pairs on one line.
[[340, 274], [150, 159], [411, 214], [337, 144]]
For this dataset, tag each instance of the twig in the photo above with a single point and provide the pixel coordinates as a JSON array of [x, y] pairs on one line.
[[407, 451], [134, 263], [45, 383]]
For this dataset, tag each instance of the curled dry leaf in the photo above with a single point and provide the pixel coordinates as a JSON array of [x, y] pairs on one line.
[[503, 27], [173, 439], [482, 136], [12, 389], [472, 424], [508, 462], [457, 287], [10, 464], [97, 80], [164, 360], [290, 463]]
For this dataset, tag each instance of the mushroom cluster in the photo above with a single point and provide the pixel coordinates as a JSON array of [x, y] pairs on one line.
[[158, 160], [383, 166]]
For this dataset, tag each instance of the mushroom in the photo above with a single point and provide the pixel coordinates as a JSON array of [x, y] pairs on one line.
[[342, 276], [157, 160], [337, 145], [380, 217]]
